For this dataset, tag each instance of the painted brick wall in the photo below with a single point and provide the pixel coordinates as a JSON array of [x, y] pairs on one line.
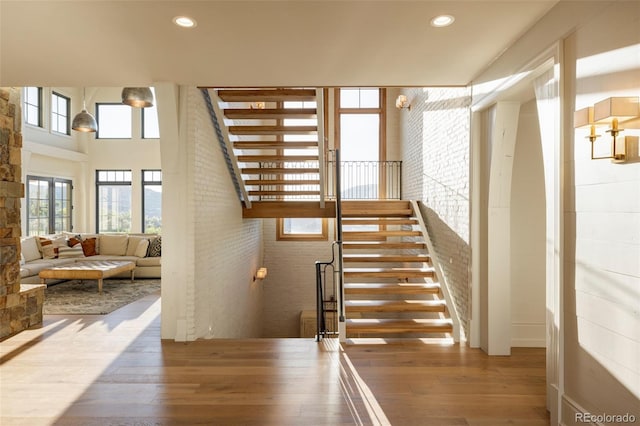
[[290, 285], [227, 249], [435, 154]]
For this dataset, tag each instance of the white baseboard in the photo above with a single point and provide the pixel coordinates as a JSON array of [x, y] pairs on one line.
[[528, 335], [570, 412]]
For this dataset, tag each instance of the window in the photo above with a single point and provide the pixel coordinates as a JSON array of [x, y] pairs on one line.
[[113, 200], [360, 135], [152, 201], [49, 205], [297, 229], [60, 111], [33, 106], [150, 127], [114, 121]]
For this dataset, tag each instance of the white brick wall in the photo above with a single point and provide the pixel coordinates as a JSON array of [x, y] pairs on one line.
[[435, 154], [228, 249], [290, 286]]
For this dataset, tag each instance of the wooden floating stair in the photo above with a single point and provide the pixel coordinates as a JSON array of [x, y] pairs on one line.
[[391, 288], [274, 133]]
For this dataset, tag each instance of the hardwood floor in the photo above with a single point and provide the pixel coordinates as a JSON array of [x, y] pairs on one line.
[[115, 370]]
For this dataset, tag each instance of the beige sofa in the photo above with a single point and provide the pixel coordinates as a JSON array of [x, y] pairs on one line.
[[44, 252]]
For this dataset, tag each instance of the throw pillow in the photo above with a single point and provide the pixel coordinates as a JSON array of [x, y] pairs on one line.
[[67, 252], [114, 245], [155, 248], [89, 247], [132, 246], [30, 250], [141, 250], [74, 240], [46, 248]]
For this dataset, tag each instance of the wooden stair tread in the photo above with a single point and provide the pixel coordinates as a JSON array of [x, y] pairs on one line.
[[267, 95], [272, 130], [373, 245], [276, 158], [278, 170], [274, 193], [282, 182], [370, 325], [391, 288], [381, 233], [275, 144], [395, 305], [388, 272], [379, 221], [270, 113], [355, 258], [378, 213]]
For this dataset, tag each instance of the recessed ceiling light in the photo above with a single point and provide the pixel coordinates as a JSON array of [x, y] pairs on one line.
[[442, 21], [184, 21]]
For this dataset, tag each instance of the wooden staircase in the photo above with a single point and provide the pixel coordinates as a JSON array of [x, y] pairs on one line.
[[276, 136], [391, 287]]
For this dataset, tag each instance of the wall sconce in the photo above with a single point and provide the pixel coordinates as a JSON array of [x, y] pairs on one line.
[[257, 105], [261, 274], [402, 102], [610, 111]]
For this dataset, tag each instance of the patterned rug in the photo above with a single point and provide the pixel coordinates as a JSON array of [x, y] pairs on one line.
[[77, 297]]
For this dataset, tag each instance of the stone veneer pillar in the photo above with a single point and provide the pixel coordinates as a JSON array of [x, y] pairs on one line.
[[20, 306]]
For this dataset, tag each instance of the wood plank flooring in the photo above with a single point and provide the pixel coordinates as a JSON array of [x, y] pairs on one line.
[[115, 370]]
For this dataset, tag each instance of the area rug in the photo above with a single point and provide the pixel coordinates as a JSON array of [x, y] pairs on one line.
[[75, 297]]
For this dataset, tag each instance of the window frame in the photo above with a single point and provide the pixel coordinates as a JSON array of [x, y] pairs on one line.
[[100, 183], [57, 114], [52, 202], [282, 236], [144, 184], [100, 126], [40, 123]]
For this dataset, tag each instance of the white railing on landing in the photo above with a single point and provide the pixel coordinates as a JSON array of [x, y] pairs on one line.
[[451, 307], [320, 133]]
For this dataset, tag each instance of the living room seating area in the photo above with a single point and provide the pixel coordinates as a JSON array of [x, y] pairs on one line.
[[43, 252]]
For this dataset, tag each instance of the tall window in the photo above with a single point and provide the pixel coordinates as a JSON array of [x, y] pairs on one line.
[[113, 200], [150, 126], [360, 135], [49, 205], [33, 106], [114, 121], [60, 111], [152, 201]]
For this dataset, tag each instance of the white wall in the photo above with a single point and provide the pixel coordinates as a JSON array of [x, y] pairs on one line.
[[527, 234], [599, 321], [435, 155], [290, 286], [209, 252], [602, 238]]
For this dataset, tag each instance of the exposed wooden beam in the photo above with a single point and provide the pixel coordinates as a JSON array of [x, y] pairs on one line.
[[267, 95]]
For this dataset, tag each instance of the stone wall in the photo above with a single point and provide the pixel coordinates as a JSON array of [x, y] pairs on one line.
[[20, 307]]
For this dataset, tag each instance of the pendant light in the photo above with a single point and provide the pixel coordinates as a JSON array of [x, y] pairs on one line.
[[83, 121], [138, 97]]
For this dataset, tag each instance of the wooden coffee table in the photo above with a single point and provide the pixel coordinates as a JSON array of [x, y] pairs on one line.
[[88, 270]]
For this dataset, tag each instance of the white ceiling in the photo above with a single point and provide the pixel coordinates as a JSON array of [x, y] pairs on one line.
[[256, 43]]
